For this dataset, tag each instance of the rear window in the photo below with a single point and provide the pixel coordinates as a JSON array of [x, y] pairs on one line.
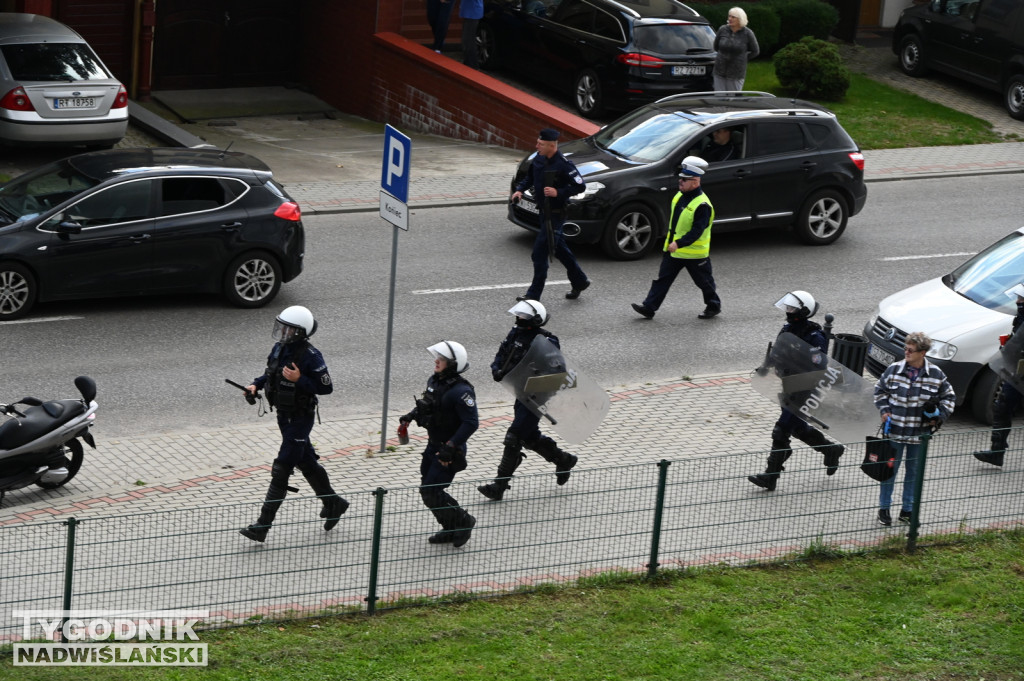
[[987, 277], [53, 62], [673, 38]]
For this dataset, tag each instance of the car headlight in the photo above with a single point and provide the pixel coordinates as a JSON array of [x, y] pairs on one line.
[[874, 319], [592, 188], [940, 350]]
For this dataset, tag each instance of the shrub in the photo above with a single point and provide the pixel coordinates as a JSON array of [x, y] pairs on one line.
[[812, 68], [800, 18]]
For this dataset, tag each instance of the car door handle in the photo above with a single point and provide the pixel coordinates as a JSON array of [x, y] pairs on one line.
[[741, 172], [807, 165], [231, 225], [138, 238]]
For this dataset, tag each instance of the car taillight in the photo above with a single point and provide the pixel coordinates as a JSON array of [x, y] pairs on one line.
[[288, 211], [16, 100], [642, 60], [858, 159], [121, 100]]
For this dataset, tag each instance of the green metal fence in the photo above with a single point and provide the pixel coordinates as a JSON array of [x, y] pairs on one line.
[[634, 518]]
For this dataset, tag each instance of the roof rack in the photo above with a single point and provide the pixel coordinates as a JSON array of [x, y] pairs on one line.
[[719, 93]]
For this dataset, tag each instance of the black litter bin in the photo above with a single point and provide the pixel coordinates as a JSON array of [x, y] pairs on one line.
[[850, 350]]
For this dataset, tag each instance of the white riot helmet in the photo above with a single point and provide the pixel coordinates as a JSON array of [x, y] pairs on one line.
[[800, 303], [450, 350], [1017, 292], [531, 312], [295, 323]]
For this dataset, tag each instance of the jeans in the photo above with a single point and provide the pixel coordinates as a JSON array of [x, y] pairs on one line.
[[909, 476]]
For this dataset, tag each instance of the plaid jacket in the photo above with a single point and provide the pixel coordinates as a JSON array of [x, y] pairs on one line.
[[896, 395]]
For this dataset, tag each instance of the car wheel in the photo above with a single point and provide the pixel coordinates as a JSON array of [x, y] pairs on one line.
[[912, 56], [630, 232], [487, 48], [1015, 97], [252, 280], [983, 395], [17, 291], [587, 94], [73, 456], [823, 218]]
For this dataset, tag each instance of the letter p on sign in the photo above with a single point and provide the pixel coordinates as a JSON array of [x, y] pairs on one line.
[[394, 176]]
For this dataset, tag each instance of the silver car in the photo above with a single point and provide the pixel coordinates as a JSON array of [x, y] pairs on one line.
[[53, 87]]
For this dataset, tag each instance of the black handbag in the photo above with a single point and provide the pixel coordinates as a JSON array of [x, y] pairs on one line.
[[879, 456]]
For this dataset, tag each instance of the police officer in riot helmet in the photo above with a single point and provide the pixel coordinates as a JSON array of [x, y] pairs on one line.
[[799, 307], [1008, 398], [295, 375], [524, 432], [447, 410]]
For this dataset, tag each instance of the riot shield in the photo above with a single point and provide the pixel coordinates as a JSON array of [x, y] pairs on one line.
[[817, 388], [1008, 362], [553, 389]]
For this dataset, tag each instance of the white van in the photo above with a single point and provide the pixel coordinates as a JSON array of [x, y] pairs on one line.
[[964, 312]]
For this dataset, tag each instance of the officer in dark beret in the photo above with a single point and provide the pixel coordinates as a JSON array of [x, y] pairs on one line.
[[553, 179]]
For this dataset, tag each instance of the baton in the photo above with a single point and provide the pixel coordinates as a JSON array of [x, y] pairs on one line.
[[249, 397], [549, 179]]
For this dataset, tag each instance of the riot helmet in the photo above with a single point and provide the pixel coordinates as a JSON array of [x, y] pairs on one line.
[[294, 324], [529, 313], [797, 305], [455, 353], [1016, 292]]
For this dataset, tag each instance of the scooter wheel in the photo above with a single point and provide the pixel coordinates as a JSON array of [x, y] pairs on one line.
[[73, 455]]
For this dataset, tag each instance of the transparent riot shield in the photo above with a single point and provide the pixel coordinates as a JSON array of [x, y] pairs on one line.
[[553, 389], [1008, 362], [818, 389]]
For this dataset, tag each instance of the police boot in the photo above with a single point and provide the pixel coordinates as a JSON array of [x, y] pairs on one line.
[[564, 461], [830, 450], [465, 528], [276, 492], [994, 455], [334, 506], [776, 458], [511, 457]]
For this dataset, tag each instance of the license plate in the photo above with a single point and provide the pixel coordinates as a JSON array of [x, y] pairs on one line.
[[528, 206], [74, 103], [687, 70], [881, 355]]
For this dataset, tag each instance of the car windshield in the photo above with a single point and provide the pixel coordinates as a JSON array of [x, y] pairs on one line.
[[647, 135], [986, 277], [40, 190], [674, 38], [53, 62]]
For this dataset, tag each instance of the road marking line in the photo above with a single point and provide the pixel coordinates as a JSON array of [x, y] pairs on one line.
[[41, 319], [922, 257], [429, 291]]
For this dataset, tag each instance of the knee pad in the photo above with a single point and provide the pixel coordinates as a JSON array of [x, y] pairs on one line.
[[512, 440]]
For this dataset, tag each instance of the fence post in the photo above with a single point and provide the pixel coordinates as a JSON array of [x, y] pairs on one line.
[[69, 572], [918, 487], [378, 517], [659, 507]]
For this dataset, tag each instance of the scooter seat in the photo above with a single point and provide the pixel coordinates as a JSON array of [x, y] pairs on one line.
[[38, 421]]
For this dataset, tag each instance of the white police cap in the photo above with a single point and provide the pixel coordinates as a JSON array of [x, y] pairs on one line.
[[692, 166]]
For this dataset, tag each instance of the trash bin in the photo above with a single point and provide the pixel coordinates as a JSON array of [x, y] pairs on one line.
[[850, 350]]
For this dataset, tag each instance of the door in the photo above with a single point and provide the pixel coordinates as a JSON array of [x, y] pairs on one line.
[[781, 165], [952, 34]]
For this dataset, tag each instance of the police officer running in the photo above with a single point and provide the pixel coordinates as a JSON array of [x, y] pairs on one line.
[[296, 373], [448, 412], [524, 432], [1007, 401], [553, 179], [799, 307]]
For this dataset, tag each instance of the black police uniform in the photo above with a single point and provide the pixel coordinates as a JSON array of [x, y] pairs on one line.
[[790, 425], [448, 412], [524, 431], [1006, 404], [560, 173], [296, 408]]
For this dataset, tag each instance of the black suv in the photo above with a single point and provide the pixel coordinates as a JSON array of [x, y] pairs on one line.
[[610, 54], [789, 162], [980, 41]]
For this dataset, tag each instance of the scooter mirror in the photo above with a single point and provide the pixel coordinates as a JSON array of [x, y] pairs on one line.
[[87, 387]]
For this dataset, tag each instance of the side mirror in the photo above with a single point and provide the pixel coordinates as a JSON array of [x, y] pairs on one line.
[[68, 227]]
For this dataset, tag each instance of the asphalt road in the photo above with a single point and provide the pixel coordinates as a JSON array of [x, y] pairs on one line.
[[160, 363]]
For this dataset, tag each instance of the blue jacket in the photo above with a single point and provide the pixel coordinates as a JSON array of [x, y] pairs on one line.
[[567, 180]]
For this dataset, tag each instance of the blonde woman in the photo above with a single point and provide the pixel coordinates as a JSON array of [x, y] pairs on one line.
[[736, 45]]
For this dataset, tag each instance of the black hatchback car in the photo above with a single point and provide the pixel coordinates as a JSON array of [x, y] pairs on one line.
[[610, 54], [145, 221], [788, 162]]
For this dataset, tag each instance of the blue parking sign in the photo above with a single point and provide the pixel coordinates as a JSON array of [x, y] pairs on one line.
[[394, 174]]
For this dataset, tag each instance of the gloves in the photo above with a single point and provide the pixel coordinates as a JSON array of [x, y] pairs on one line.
[[497, 375], [447, 453], [407, 418]]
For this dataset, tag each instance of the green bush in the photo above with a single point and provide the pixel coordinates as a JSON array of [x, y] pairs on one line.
[[799, 18], [812, 68]]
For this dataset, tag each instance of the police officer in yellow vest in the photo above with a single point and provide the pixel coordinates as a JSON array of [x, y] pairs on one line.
[[687, 243]]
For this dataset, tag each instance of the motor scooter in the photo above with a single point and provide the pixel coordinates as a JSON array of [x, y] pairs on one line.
[[40, 446]]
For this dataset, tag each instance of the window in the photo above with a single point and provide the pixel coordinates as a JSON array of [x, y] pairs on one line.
[[126, 202], [606, 26], [53, 62], [192, 194], [778, 138]]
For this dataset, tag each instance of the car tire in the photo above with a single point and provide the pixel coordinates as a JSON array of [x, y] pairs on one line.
[[630, 232], [912, 55], [1015, 97], [588, 94], [252, 280], [823, 218], [73, 456], [487, 48], [983, 395], [18, 291]]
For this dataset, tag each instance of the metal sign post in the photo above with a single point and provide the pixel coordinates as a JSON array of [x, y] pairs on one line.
[[394, 197]]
